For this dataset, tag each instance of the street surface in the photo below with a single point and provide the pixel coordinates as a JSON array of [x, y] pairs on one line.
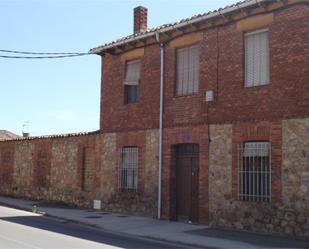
[[25, 230]]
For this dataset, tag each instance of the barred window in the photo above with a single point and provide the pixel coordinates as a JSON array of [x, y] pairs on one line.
[[254, 171], [256, 58], [131, 82], [128, 176], [187, 81]]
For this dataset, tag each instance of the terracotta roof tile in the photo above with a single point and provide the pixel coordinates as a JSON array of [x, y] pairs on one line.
[[19, 138], [159, 28], [7, 135]]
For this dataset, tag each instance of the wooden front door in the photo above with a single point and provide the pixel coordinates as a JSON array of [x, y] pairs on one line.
[[187, 162]]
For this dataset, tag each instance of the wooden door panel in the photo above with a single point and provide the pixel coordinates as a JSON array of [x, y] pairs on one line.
[[187, 182]]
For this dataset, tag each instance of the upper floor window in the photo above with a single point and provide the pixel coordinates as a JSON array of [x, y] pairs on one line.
[[256, 58], [187, 78], [131, 82]]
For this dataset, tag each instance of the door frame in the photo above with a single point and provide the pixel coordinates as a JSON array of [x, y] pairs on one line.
[[173, 183]]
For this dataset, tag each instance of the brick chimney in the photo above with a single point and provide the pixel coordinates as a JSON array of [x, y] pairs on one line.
[[140, 19]]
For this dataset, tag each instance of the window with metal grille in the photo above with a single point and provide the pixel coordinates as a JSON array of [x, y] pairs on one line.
[[254, 171], [131, 82], [256, 58], [187, 78], [128, 176]]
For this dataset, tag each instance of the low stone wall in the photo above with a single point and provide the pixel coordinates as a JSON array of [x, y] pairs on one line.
[[75, 170], [286, 214]]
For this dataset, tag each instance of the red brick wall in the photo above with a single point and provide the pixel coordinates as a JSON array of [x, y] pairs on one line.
[[6, 163], [92, 142], [117, 116], [42, 163], [287, 95], [221, 70]]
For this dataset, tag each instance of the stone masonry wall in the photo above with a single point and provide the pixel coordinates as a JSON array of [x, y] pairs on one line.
[[67, 171], [63, 169], [23, 168], [285, 214], [142, 202], [295, 173], [220, 169], [108, 165]]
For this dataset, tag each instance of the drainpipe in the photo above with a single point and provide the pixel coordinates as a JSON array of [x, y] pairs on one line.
[[160, 125]]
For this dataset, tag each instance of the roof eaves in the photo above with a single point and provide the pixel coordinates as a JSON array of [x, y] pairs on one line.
[[52, 136], [175, 25]]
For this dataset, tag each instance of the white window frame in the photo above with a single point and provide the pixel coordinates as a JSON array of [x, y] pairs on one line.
[[187, 70], [132, 79], [257, 67]]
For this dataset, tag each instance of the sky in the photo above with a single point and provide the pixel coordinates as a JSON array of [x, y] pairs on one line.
[[56, 96]]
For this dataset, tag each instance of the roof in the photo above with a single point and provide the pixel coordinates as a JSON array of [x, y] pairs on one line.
[[239, 6], [19, 138], [7, 135]]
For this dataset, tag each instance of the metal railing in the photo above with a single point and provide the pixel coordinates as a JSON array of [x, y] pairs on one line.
[[128, 176], [254, 171]]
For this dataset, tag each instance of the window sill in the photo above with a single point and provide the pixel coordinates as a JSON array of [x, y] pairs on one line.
[[131, 103], [256, 86], [186, 96]]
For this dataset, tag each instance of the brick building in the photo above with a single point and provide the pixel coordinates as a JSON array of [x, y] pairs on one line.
[[204, 120]]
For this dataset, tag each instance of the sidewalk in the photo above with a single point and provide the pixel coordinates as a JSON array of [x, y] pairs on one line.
[[195, 235]]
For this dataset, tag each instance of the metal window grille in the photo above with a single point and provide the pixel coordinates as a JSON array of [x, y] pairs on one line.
[[254, 171], [131, 81], [128, 176], [187, 70], [256, 58]]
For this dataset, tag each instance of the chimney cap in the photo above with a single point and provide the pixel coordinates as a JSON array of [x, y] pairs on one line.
[[141, 7]]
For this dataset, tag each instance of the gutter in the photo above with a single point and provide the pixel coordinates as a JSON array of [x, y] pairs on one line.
[[99, 50], [160, 124]]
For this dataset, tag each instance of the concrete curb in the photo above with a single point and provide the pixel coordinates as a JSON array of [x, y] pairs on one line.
[[92, 226]]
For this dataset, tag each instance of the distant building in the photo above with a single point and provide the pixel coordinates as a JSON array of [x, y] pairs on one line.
[[7, 135]]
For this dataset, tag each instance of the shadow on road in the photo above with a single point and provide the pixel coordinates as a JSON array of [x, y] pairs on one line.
[[260, 240], [84, 232]]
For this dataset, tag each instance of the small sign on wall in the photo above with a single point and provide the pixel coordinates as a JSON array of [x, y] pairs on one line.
[[186, 137]]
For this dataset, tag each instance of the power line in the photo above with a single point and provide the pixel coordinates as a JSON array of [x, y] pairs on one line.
[[27, 52], [42, 55]]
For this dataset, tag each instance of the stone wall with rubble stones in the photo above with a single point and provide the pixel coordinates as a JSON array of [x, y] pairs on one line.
[[108, 165], [290, 214], [63, 168], [295, 175], [23, 167], [142, 202], [64, 181], [220, 168]]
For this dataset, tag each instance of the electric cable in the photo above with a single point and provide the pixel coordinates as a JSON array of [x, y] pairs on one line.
[[43, 55]]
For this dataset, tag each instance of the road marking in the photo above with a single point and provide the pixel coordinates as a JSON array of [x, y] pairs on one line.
[[19, 242]]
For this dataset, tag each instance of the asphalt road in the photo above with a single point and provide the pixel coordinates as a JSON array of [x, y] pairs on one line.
[[25, 230]]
